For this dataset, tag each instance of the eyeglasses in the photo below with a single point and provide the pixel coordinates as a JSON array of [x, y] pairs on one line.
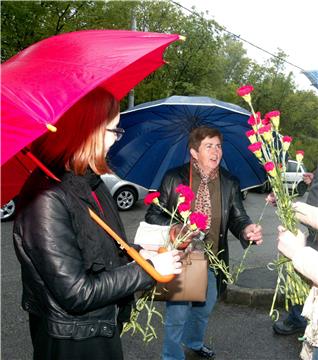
[[119, 132]]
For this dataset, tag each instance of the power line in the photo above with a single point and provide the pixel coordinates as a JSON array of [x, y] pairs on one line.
[[238, 36]]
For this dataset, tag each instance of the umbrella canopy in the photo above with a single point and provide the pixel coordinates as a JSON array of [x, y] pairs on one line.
[[156, 139], [43, 81]]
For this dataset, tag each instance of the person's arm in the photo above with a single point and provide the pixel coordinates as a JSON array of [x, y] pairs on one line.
[[46, 239], [306, 262], [306, 214], [240, 224], [304, 258], [308, 178]]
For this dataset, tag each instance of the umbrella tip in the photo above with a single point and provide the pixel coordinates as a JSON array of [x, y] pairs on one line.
[[182, 38], [51, 127]]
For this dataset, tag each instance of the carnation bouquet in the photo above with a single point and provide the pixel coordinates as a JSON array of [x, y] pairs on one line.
[[185, 225], [271, 149], [190, 227]]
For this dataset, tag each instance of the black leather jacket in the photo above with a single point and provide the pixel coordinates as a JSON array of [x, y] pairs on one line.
[[75, 302], [234, 216]]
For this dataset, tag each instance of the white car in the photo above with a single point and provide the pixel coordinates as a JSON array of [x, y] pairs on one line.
[[125, 193], [292, 176], [294, 179]]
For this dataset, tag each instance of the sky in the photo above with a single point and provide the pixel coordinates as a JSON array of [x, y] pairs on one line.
[[289, 25]]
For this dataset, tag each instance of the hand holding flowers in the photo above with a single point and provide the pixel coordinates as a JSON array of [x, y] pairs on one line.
[[253, 232], [184, 224]]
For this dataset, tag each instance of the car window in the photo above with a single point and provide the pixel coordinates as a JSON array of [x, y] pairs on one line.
[[292, 167]]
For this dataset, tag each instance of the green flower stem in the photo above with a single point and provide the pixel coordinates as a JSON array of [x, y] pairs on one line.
[[272, 309], [218, 265], [241, 267], [182, 238], [173, 215], [148, 333]]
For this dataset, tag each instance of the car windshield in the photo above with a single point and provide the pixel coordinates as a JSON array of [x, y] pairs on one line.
[[292, 167]]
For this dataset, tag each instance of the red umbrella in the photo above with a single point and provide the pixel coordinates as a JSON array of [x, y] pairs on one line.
[[43, 81]]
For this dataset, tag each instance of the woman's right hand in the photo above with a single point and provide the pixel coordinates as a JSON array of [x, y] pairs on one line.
[[271, 199], [167, 263]]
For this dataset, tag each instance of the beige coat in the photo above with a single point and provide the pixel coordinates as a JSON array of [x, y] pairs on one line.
[[306, 262]]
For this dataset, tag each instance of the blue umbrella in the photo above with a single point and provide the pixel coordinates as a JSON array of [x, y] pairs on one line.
[[156, 139]]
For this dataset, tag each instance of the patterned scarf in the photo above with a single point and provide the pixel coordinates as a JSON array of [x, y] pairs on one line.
[[203, 200]]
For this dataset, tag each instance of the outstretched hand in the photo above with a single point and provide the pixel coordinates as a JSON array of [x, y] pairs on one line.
[[308, 178], [253, 232], [288, 243]]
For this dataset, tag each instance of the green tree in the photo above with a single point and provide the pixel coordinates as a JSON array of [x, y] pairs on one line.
[[210, 62]]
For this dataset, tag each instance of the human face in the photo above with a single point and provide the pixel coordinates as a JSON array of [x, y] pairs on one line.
[[111, 136], [209, 154]]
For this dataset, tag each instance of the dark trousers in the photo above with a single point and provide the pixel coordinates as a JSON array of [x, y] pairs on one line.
[[48, 348]]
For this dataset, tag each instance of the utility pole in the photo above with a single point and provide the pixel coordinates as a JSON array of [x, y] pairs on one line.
[[131, 96]]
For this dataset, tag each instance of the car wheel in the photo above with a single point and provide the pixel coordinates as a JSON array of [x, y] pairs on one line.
[[8, 210], [125, 198], [301, 188]]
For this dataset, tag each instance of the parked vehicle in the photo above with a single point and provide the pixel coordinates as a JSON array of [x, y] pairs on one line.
[[295, 177], [292, 177], [7, 211], [125, 193]]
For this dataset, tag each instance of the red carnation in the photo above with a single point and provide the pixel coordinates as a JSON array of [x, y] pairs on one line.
[[199, 219], [255, 147], [264, 129], [151, 197], [244, 90], [185, 206], [269, 166], [252, 121], [272, 114], [250, 133], [287, 138], [186, 192]]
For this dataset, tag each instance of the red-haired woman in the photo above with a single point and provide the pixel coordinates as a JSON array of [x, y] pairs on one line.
[[78, 284]]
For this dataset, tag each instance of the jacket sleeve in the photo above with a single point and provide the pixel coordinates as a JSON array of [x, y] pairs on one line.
[[238, 218], [48, 240], [154, 214], [305, 261]]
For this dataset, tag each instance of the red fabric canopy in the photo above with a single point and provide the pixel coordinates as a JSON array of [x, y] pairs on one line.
[[43, 81]]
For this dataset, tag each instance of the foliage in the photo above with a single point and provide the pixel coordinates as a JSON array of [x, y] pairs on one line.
[[208, 63]]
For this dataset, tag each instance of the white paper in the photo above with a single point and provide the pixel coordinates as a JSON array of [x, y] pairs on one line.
[[150, 236]]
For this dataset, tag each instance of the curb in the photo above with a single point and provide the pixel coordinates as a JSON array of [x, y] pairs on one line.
[[251, 297]]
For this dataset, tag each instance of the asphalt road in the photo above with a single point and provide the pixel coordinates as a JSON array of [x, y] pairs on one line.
[[236, 332]]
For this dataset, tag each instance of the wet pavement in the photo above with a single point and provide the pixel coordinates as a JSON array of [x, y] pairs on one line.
[[239, 329]]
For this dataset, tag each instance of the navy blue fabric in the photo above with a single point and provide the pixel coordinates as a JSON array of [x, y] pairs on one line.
[[156, 139]]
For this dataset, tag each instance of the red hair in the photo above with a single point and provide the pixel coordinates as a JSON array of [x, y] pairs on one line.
[[79, 140]]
